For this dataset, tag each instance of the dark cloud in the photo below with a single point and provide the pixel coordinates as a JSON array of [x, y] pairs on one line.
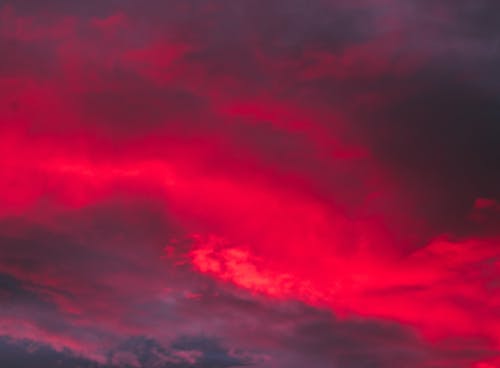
[[136, 106], [441, 139], [193, 351], [462, 18], [17, 354], [138, 352], [63, 8]]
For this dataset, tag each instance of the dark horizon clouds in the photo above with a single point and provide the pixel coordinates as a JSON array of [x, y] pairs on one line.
[[251, 183]]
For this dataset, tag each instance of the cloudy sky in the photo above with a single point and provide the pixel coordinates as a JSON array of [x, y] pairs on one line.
[[250, 183]]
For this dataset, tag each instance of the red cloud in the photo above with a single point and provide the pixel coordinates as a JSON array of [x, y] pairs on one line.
[[317, 151]]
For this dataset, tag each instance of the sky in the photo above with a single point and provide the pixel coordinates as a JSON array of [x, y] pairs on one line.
[[250, 183]]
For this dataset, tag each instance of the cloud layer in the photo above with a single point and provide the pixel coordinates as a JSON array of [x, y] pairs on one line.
[[251, 183]]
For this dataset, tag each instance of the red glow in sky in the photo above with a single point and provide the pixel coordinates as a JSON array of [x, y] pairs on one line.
[[218, 183]]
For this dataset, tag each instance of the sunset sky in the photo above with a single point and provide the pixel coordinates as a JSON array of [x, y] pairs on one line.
[[249, 183]]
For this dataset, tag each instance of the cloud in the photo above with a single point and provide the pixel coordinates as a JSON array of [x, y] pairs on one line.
[[178, 174]]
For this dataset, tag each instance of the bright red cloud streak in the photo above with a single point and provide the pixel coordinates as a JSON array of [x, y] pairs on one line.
[[262, 248]]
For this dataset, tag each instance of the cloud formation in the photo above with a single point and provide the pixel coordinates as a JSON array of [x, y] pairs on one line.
[[223, 184]]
